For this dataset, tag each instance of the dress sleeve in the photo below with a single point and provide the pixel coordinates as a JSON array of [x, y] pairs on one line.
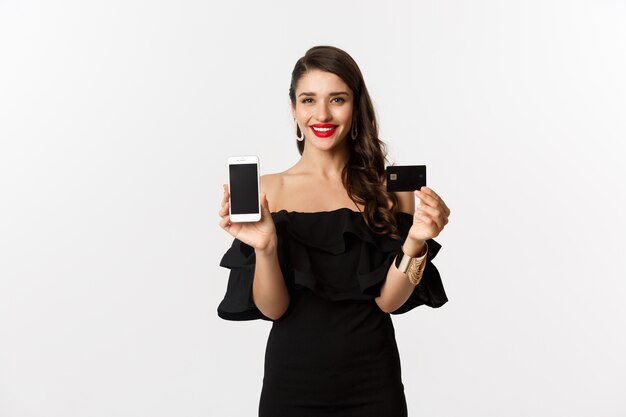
[[237, 303], [430, 290]]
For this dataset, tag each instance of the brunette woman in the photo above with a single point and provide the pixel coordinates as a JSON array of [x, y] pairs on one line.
[[333, 255]]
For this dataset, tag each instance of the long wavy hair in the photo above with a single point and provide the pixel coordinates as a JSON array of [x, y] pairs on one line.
[[364, 174]]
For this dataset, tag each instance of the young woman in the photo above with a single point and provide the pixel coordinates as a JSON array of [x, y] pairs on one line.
[[333, 255]]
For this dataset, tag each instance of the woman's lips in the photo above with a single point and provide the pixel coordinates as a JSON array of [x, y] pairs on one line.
[[323, 130]]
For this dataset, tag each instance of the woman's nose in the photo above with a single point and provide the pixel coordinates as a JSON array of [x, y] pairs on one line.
[[323, 114]]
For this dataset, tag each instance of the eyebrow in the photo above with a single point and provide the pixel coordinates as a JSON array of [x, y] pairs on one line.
[[335, 93]]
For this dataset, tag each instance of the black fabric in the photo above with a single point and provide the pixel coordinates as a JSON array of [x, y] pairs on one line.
[[334, 351]]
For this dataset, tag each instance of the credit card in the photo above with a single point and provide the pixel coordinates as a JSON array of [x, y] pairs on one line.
[[405, 177]]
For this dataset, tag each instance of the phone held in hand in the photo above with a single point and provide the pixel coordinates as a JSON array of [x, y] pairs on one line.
[[244, 189], [405, 177]]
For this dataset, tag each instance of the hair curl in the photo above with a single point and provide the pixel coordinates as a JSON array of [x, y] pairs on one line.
[[364, 174]]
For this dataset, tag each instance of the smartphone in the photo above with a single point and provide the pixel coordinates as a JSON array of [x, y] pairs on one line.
[[244, 189], [406, 177]]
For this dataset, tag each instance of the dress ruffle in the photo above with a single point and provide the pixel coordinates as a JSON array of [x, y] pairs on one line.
[[332, 253]]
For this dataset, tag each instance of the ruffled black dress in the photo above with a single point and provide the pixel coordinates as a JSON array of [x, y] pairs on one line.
[[333, 353]]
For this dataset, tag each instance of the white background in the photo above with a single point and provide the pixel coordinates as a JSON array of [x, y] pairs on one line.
[[116, 119]]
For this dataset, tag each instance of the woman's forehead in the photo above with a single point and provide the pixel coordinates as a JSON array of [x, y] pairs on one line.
[[321, 82]]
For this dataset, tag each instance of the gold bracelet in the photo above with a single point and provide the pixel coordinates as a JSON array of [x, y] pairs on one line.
[[412, 267], [416, 269]]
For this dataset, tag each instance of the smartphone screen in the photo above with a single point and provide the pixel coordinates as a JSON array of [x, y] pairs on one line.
[[244, 191]]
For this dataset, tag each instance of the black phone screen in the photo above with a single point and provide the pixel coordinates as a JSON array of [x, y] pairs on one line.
[[244, 188]]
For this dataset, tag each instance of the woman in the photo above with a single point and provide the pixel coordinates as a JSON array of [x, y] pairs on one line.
[[320, 262]]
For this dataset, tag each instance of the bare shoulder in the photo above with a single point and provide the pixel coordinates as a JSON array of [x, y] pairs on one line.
[[271, 184], [406, 202]]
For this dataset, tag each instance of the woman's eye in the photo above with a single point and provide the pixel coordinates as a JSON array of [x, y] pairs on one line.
[[307, 100], [339, 100]]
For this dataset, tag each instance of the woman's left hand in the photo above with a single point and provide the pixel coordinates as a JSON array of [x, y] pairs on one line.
[[430, 217]]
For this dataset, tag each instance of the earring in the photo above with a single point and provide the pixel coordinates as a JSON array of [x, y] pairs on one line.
[[354, 132], [299, 134]]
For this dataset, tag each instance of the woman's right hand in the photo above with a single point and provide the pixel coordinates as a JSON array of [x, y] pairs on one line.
[[260, 235]]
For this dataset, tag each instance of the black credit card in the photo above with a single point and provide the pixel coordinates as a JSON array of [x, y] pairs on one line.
[[406, 177]]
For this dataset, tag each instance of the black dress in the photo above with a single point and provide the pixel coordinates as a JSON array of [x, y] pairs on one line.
[[333, 353]]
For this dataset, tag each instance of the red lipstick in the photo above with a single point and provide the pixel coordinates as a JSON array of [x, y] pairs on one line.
[[323, 130]]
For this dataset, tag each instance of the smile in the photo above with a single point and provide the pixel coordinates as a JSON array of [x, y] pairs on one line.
[[323, 130]]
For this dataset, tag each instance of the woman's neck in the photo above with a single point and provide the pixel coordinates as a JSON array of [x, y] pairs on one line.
[[325, 164]]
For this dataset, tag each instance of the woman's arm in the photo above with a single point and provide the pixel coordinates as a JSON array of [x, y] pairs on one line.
[[269, 292], [428, 221], [397, 288]]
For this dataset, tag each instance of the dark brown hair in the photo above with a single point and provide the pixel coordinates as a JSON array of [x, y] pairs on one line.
[[364, 174]]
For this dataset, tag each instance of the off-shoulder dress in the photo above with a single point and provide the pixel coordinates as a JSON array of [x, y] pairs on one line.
[[333, 353]]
